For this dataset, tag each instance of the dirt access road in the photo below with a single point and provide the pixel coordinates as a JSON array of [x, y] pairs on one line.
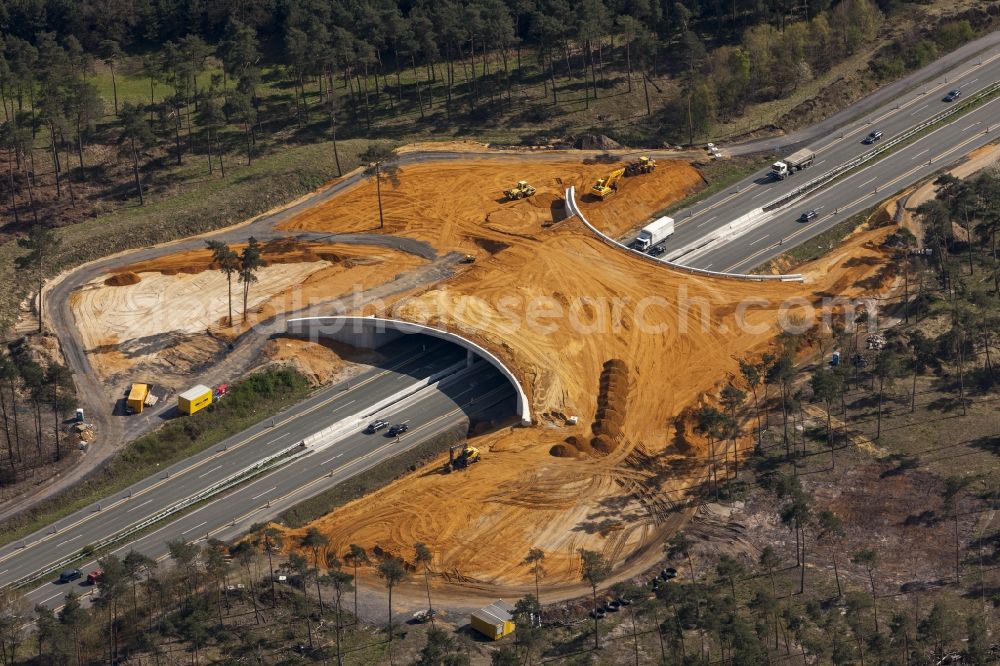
[[114, 432]]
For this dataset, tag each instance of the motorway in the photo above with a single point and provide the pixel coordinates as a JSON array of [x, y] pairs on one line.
[[429, 412], [434, 410], [855, 193]]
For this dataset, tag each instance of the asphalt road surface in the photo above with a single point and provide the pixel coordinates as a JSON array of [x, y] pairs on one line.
[[890, 173], [436, 410], [430, 412], [860, 190]]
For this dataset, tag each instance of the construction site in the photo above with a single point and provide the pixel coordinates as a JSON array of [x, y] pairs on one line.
[[610, 453]]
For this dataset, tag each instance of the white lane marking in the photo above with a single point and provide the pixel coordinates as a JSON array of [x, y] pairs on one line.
[[867, 181], [328, 460], [265, 492], [920, 109], [140, 505], [710, 219], [919, 154], [969, 83], [63, 543], [820, 162], [709, 266], [759, 239], [4, 571], [971, 126], [195, 527], [57, 594], [209, 471], [758, 194], [345, 405]]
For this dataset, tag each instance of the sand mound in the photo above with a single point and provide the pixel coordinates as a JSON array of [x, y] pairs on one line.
[[579, 339], [518, 220], [563, 451], [527, 491], [122, 279], [546, 201], [280, 251], [316, 361]]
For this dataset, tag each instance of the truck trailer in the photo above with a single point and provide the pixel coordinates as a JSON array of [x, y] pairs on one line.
[[654, 232], [797, 161], [194, 399]]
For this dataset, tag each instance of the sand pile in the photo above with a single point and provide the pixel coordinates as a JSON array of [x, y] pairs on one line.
[[317, 362], [473, 207], [589, 331], [123, 279]]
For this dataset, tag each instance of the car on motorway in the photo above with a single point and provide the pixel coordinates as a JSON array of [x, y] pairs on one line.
[[377, 425], [953, 95], [875, 135], [69, 575], [94, 576], [657, 250], [397, 430], [806, 216]]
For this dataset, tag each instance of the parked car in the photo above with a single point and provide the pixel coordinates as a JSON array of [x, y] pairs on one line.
[[953, 95], [874, 136], [398, 429], [69, 574], [806, 216], [375, 426]]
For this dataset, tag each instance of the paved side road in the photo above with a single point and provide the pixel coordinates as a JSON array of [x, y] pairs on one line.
[[113, 432]]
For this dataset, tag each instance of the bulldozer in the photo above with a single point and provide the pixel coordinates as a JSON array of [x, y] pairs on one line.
[[606, 186], [520, 191], [468, 455], [644, 165]]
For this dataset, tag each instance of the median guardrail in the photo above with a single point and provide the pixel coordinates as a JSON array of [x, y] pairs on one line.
[[239, 477], [826, 177], [719, 236], [574, 210]]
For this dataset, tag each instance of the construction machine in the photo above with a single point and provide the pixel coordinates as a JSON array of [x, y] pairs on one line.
[[520, 191], [644, 165], [606, 186], [468, 455]]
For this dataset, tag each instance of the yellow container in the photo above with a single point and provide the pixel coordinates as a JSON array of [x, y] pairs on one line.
[[137, 397], [194, 399], [494, 621]]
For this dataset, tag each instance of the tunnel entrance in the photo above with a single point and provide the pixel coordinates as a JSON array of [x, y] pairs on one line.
[[375, 333]]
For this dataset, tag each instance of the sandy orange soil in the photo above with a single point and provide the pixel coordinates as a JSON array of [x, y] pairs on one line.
[[171, 313], [460, 206], [591, 331]]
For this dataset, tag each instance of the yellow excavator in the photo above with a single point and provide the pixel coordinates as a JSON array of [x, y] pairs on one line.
[[468, 455], [608, 185], [644, 165], [520, 191]]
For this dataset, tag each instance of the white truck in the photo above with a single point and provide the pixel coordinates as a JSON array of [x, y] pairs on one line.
[[654, 232], [797, 161]]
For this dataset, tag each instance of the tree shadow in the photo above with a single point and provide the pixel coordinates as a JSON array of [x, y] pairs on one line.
[[989, 443]]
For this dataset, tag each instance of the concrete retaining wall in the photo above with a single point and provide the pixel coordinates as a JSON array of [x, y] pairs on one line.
[[573, 209]]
